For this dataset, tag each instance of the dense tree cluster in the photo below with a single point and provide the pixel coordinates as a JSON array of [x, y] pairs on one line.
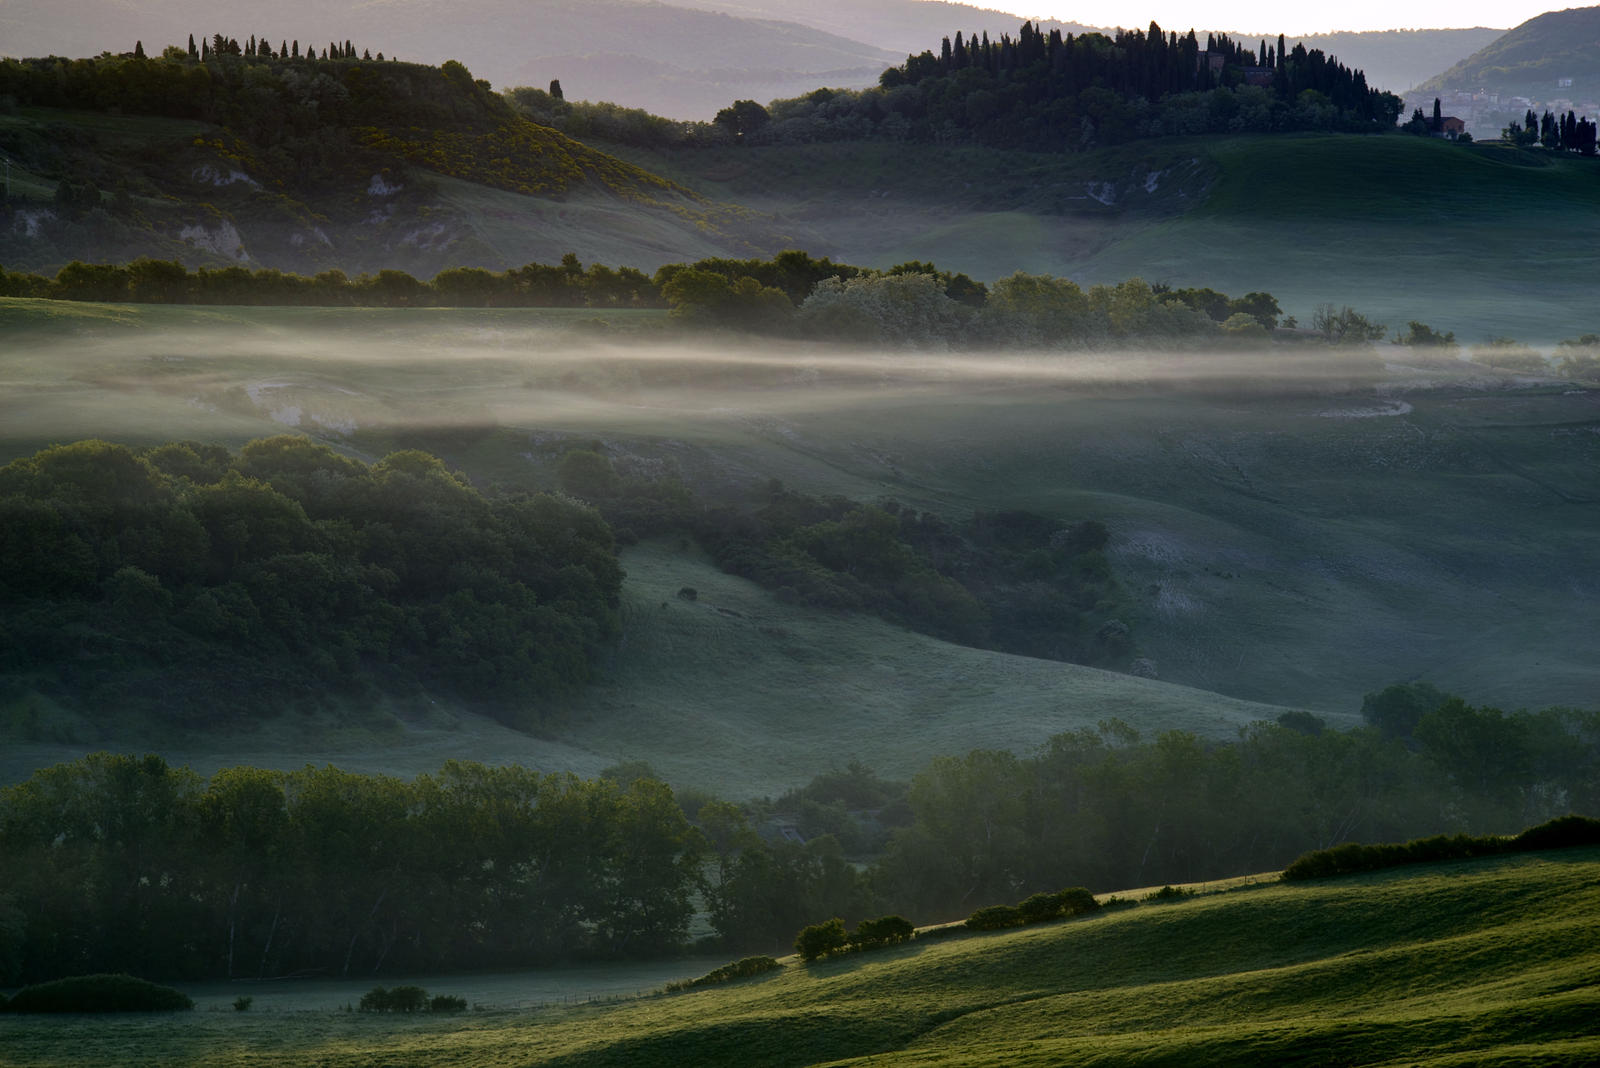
[[120, 863], [202, 587]]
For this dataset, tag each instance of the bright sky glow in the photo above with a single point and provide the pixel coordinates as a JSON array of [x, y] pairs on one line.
[[1266, 16]]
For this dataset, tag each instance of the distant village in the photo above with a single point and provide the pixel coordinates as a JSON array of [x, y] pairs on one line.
[[1484, 114]]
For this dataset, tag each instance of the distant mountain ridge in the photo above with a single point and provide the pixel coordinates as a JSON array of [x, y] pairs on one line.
[[1556, 54], [685, 59]]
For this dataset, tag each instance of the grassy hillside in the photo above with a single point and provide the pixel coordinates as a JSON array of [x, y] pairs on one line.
[[1488, 962], [1528, 60]]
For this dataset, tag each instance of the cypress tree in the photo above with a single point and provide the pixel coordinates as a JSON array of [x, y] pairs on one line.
[[1280, 53], [138, 50], [193, 52]]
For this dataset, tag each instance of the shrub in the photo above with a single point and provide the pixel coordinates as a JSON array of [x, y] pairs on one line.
[[1073, 901], [447, 1003], [1171, 893], [740, 969], [996, 918], [242, 1003], [399, 999], [1564, 832], [883, 931], [99, 993], [820, 939]]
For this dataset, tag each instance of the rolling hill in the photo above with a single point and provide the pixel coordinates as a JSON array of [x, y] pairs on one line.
[[1533, 60], [685, 59], [1474, 962], [1260, 539], [676, 61]]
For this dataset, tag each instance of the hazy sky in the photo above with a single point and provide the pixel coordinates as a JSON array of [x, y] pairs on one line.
[[1257, 16]]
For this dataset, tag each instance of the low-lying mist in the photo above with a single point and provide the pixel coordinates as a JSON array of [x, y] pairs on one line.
[[335, 378]]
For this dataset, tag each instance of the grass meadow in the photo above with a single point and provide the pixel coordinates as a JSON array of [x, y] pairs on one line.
[[1486, 962]]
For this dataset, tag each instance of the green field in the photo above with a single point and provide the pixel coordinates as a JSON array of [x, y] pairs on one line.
[[1296, 546], [1489, 962]]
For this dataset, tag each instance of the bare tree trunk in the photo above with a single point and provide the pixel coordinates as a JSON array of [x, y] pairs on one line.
[[272, 931]]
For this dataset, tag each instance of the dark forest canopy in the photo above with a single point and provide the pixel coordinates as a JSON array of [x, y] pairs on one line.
[[205, 589]]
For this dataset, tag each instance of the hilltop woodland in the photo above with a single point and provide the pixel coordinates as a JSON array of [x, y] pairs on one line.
[[119, 863], [793, 294], [1038, 91], [205, 589], [290, 140]]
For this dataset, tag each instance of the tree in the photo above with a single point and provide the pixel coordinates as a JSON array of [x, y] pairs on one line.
[[1421, 335], [555, 89], [1345, 326], [742, 118], [1436, 125], [1396, 710]]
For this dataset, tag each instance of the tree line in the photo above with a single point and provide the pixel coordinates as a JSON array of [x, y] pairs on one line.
[[1111, 809], [203, 588], [913, 304], [126, 864], [568, 284], [1557, 133]]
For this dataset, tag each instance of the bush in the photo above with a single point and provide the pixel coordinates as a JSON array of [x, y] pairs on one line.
[[99, 993], [820, 939], [447, 1003], [1565, 832], [745, 968], [1171, 893], [883, 931], [242, 1003], [996, 918], [1073, 901], [399, 999]]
